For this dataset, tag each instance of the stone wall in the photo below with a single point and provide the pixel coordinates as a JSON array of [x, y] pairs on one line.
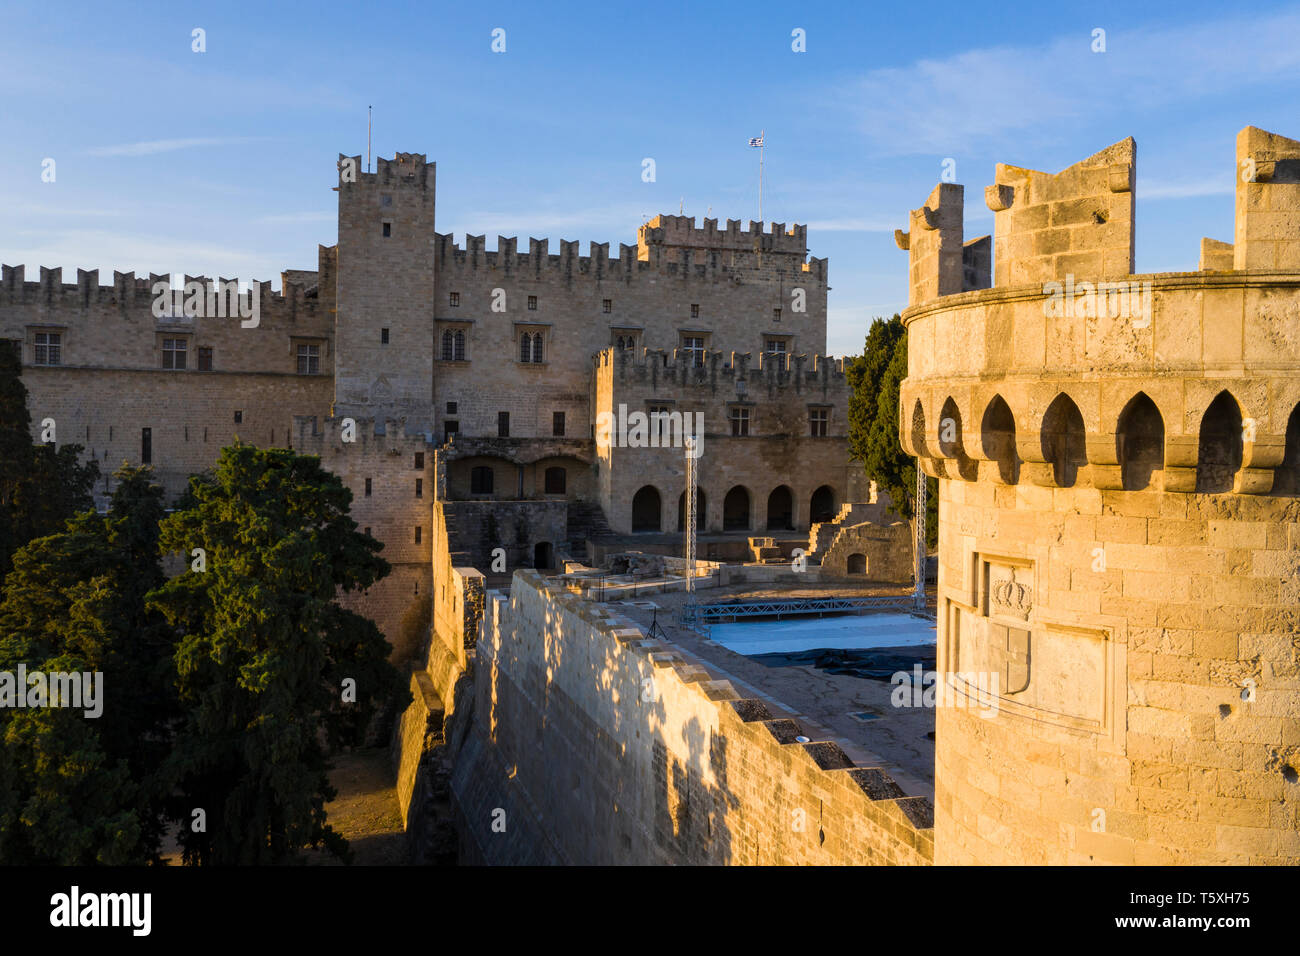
[[1119, 465], [590, 744], [884, 552]]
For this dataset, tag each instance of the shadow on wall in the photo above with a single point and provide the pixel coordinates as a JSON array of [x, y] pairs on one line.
[[593, 744]]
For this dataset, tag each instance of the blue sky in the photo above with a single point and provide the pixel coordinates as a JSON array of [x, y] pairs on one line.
[[223, 162]]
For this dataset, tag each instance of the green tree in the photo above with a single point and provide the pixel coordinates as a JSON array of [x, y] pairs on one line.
[[76, 789], [865, 374], [264, 652], [40, 487], [876, 379]]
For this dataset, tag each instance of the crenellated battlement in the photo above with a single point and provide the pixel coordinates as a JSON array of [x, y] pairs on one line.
[[677, 367], [681, 232], [656, 257], [130, 291], [1118, 459], [1068, 328], [404, 169]]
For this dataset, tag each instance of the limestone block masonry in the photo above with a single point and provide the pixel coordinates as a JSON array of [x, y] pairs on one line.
[[1118, 459]]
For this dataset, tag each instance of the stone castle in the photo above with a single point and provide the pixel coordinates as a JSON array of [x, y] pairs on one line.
[[470, 379], [1118, 459]]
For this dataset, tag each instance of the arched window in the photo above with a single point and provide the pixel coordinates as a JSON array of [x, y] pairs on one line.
[[1062, 440], [918, 428], [481, 480], [1286, 476], [448, 346], [555, 481], [950, 440], [1140, 442], [1218, 456], [537, 347], [998, 432], [525, 347], [460, 345]]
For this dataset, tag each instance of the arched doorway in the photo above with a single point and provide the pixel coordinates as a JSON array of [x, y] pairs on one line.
[[701, 509], [735, 510], [857, 564], [780, 510], [543, 558], [646, 508], [822, 506]]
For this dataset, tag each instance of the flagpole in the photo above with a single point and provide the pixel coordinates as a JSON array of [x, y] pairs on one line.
[[368, 125], [761, 143]]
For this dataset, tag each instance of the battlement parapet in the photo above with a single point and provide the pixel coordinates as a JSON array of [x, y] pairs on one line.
[[316, 436], [681, 232], [1078, 224], [404, 169], [716, 368], [632, 260], [131, 292]]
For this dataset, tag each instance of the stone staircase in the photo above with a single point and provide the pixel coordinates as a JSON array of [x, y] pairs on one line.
[[585, 521], [823, 534]]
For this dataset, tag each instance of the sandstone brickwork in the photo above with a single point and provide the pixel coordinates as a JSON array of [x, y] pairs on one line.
[[1118, 465]]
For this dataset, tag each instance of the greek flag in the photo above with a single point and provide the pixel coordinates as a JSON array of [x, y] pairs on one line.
[[756, 141]]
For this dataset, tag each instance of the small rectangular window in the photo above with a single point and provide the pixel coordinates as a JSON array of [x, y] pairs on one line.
[[418, 531], [419, 487], [386, 200], [818, 418], [367, 487], [367, 532], [503, 424], [695, 310], [383, 336], [173, 353], [146, 446], [388, 229], [451, 408], [419, 459], [694, 345], [205, 359], [239, 418], [532, 303], [308, 359], [455, 300], [607, 305], [449, 428], [739, 422], [49, 349], [776, 314], [557, 424]]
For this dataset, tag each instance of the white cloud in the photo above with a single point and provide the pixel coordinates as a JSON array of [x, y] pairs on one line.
[[978, 97], [150, 147]]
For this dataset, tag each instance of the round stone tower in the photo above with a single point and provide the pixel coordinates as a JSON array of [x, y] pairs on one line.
[[1118, 459]]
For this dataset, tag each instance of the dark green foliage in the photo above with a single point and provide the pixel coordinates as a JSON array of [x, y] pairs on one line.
[[263, 653], [876, 378], [74, 789], [40, 487]]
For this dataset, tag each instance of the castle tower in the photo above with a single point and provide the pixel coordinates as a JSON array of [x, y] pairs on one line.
[[383, 366], [1118, 459]]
